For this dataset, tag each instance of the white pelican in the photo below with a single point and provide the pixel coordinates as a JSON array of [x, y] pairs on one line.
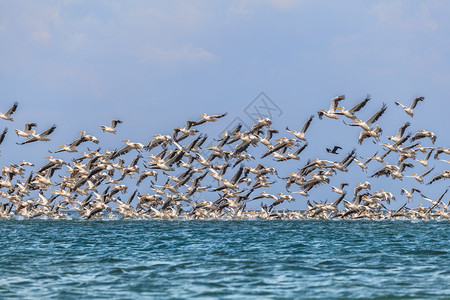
[[423, 134], [205, 118], [112, 128], [25, 132], [7, 115], [88, 137], [39, 137], [409, 110], [301, 134], [72, 146], [351, 112], [418, 177], [400, 132], [331, 113], [409, 194], [130, 146], [367, 126]]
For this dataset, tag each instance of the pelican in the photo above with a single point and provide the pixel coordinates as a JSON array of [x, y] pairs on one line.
[[130, 146], [112, 128], [409, 194], [419, 178], [376, 133], [423, 134], [39, 137], [301, 134], [400, 132], [72, 146], [409, 110], [443, 175], [205, 118], [340, 189], [88, 137], [25, 132], [7, 115], [424, 162], [351, 112], [367, 126], [441, 150], [331, 113]]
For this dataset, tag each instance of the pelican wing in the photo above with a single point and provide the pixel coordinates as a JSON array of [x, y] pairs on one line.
[[307, 123], [334, 102], [49, 131], [415, 101], [377, 115], [402, 129], [360, 105], [115, 122], [2, 137], [12, 109]]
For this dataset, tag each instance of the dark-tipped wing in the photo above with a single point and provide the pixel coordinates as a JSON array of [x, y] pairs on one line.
[[377, 115], [402, 129], [115, 122], [29, 126], [415, 101], [12, 109], [307, 123], [335, 101], [360, 105], [2, 137], [49, 131]]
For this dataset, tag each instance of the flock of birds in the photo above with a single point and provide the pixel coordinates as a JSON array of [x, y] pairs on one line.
[[186, 179]]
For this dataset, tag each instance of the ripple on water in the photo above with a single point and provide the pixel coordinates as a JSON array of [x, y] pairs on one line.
[[224, 259]]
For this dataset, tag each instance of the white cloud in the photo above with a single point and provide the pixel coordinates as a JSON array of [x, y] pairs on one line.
[[185, 54]]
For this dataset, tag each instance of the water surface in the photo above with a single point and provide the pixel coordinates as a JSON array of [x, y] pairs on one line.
[[56, 259]]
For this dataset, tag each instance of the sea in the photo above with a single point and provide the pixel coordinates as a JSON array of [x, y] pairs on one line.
[[224, 259]]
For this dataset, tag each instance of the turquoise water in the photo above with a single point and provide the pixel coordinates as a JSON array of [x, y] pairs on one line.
[[224, 259]]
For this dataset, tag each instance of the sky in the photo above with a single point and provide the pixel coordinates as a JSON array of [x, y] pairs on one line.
[[156, 64]]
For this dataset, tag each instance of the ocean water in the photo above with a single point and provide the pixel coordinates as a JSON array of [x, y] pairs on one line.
[[79, 259]]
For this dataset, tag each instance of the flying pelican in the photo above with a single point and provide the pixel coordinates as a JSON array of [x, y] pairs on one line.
[[72, 146], [351, 112], [340, 189], [443, 175], [301, 134], [331, 113], [130, 146], [423, 134], [400, 133], [88, 137], [39, 137], [112, 128], [367, 126], [7, 115], [409, 110], [419, 178], [409, 194], [205, 118], [25, 132]]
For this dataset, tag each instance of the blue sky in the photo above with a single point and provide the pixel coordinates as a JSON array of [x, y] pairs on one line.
[[155, 64]]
